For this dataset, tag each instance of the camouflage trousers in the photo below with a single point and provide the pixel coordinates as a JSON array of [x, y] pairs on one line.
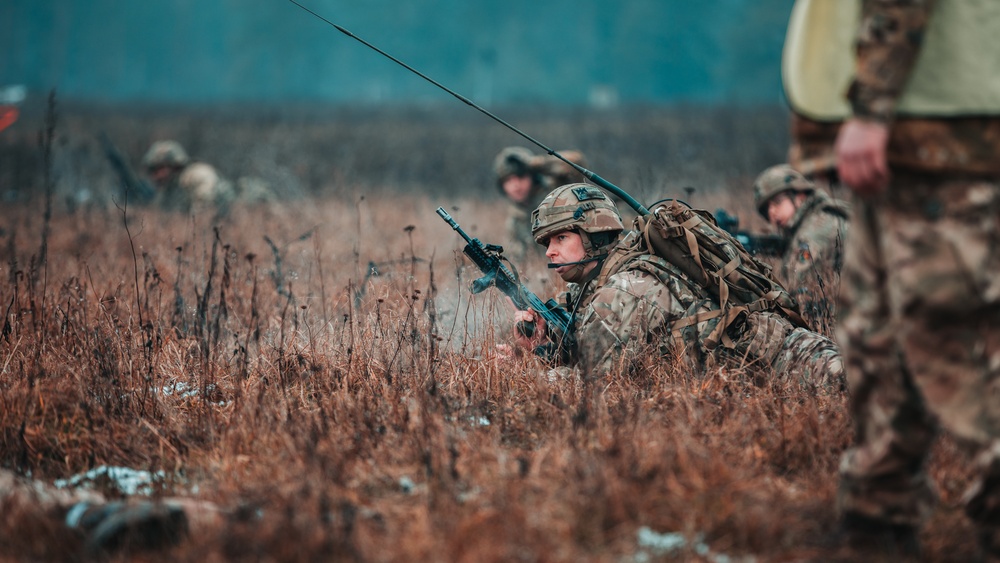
[[920, 328]]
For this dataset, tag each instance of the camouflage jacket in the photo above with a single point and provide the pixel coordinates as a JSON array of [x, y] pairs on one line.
[[634, 305], [815, 235], [888, 45], [628, 308], [554, 172], [549, 173], [197, 187], [519, 242]]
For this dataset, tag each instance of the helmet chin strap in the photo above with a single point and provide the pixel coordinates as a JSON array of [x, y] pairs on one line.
[[576, 273], [579, 262], [590, 251]]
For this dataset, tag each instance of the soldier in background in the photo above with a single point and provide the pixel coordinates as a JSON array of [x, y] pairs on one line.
[[626, 302], [920, 294], [183, 185], [524, 178], [814, 226]]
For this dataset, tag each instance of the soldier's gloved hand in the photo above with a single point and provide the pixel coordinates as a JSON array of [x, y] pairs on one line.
[[536, 336]]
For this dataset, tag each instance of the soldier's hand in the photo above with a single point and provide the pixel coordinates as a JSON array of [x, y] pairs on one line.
[[529, 339], [861, 156]]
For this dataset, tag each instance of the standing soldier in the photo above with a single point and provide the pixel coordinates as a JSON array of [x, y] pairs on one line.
[[814, 226], [524, 178], [181, 184], [920, 293], [626, 301]]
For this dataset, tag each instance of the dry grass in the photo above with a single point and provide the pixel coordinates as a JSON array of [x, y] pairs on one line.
[[340, 416]]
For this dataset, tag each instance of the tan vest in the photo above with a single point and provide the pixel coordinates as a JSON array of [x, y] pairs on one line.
[[818, 60]]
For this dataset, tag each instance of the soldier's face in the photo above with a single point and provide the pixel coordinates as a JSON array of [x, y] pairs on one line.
[[780, 210], [517, 188], [160, 174], [567, 247]]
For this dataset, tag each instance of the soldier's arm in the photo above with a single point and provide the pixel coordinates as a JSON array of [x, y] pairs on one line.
[[815, 248], [888, 44]]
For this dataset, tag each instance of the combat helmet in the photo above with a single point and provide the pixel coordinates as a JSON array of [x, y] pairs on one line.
[[580, 207], [555, 171], [166, 153], [776, 180], [512, 161]]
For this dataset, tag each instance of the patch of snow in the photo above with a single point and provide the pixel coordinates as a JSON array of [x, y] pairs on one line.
[[127, 480]]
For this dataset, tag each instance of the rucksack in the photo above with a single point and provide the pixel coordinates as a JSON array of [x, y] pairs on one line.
[[691, 240]]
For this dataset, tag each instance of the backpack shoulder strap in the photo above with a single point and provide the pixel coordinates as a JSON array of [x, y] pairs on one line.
[[690, 240]]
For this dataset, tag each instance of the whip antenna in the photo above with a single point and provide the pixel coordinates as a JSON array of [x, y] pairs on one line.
[[639, 208]]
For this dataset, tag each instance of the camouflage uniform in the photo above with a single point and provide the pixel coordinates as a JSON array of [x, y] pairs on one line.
[[811, 148], [191, 186], [547, 172], [556, 172], [518, 228], [632, 302], [920, 299], [814, 236]]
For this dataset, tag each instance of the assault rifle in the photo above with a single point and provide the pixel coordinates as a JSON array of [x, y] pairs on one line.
[[765, 245], [489, 258], [131, 183]]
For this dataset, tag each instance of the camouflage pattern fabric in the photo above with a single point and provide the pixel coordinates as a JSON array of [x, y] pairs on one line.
[[511, 161], [627, 310], [188, 186], [810, 359], [920, 325], [196, 187], [632, 306], [888, 45], [165, 153], [557, 173], [920, 294], [816, 235], [518, 242], [580, 207], [547, 173], [778, 179], [203, 185]]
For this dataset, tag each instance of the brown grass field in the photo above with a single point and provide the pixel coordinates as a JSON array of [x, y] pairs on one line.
[[336, 415]]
